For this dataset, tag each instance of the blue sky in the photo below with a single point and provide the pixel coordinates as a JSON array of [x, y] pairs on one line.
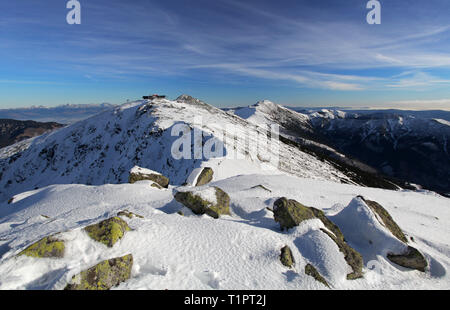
[[228, 53]]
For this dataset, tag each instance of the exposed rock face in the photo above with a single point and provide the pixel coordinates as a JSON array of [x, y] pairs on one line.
[[197, 202], [104, 275], [205, 176], [142, 174], [311, 271], [290, 213], [286, 257], [386, 219], [411, 259], [45, 248], [108, 231]]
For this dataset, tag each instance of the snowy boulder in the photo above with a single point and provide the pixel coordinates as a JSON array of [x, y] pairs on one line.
[[205, 176], [290, 213], [212, 201], [142, 174], [386, 219], [411, 259], [108, 231], [372, 231], [103, 276], [310, 270], [286, 257], [48, 247]]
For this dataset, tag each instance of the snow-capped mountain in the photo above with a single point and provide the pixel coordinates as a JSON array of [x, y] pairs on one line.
[[401, 145], [103, 148]]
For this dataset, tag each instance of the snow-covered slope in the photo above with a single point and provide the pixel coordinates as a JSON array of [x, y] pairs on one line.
[[240, 251], [103, 148]]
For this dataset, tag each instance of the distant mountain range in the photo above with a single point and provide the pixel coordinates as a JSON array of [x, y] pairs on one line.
[[63, 114]]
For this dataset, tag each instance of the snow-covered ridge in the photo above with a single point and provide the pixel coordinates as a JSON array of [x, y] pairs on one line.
[[103, 148]]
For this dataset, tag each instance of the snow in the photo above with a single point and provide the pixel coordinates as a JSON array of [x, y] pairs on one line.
[[140, 170], [240, 251]]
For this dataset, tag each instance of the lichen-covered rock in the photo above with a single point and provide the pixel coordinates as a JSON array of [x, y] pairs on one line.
[[290, 213], [351, 256], [386, 219], [411, 259], [48, 247], [286, 257], [205, 176], [142, 174], [108, 231], [129, 214], [311, 271], [197, 202], [104, 275]]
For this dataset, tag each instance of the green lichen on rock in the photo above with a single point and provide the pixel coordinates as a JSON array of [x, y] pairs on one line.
[[205, 176], [108, 231], [411, 259], [129, 214], [155, 177], [48, 247], [199, 205], [310, 270], [386, 219], [104, 275], [351, 256], [290, 213], [286, 257]]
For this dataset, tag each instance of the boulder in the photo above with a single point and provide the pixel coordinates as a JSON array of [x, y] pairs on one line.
[[108, 231], [286, 257], [290, 213], [103, 276], [411, 259], [205, 176], [385, 219], [212, 201], [310, 270], [48, 247], [142, 174]]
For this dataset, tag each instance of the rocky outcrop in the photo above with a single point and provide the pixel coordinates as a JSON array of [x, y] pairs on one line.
[[290, 213], [286, 257], [310, 270], [205, 176], [142, 174], [104, 275], [411, 259], [108, 231], [212, 201], [48, 247], [386, 219]]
